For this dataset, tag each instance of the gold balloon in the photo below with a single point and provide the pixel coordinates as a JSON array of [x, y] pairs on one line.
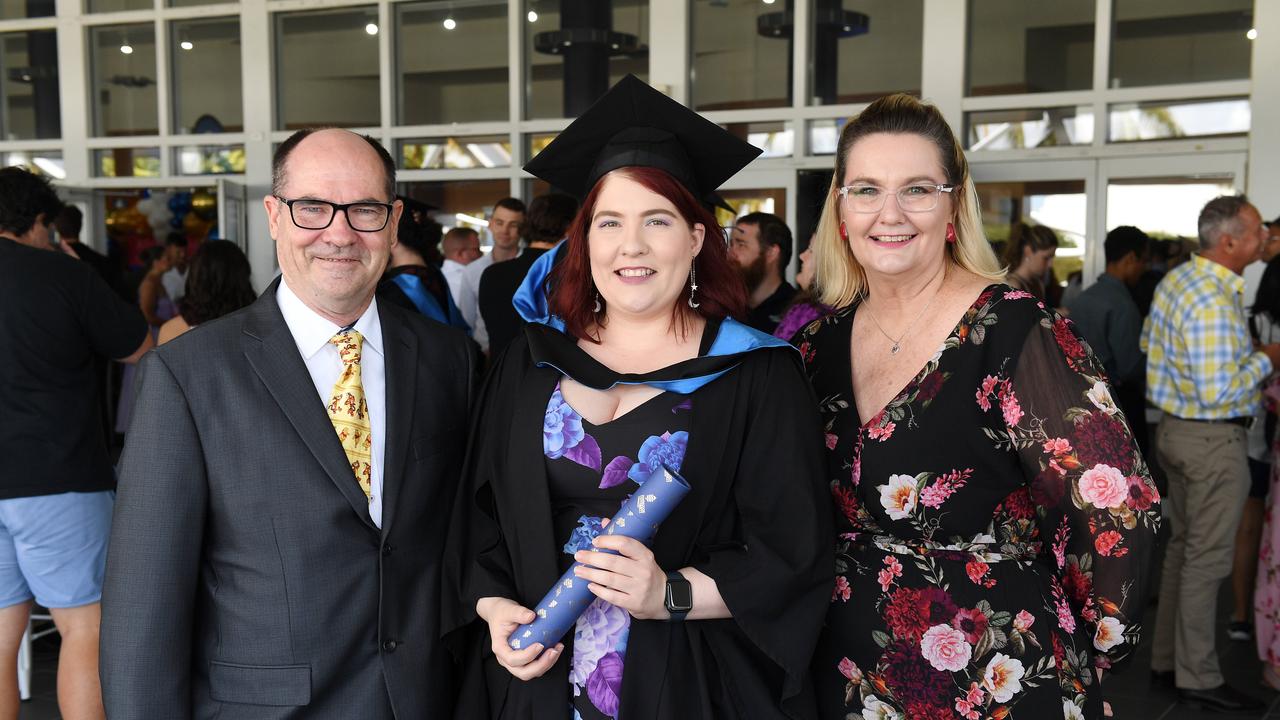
[[195, 228], [204, 205], [116, 223]]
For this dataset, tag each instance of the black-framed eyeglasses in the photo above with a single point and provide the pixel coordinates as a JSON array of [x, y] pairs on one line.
[[920, 197], [311, 214]]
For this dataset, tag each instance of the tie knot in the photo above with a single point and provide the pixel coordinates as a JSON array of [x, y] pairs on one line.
[[349, 344]]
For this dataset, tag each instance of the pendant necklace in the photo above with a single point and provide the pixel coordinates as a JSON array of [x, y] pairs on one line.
[[897, 344]]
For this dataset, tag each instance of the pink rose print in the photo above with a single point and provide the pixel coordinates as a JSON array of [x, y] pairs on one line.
[[965, 708], [945, 648], [841, 591], [1103, 486], [1106, 544], [881, 433], [892, 570], [989, 385], [1017, 295], [972, 623], [1023, 621], [832, 439], [1010, 408], [977, 571], [1057, 446], [849, 669]]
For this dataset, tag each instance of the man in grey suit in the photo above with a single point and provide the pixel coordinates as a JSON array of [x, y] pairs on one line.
[[271, 556]]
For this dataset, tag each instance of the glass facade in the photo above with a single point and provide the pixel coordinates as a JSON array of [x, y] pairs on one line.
[[490, 151], [1194, 118], [1039, 127], [21, 9], [451, 63], [741, 54], [123, 99], [127, 162], [1157, 42], [316, 86], [29, 105], [850, 36], [205, 76], [1018, 47], [577, 49]]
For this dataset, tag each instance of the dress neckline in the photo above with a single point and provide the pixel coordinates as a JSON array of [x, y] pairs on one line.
[[847, 337]]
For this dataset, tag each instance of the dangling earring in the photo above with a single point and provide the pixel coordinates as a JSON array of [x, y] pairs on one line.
[[598, 308], [951, 233], [693, 286], [844, 231]]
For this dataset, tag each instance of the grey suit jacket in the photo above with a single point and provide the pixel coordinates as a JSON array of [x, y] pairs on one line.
[[245, 578]]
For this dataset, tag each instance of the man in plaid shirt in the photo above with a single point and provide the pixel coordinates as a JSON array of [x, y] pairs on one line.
[[1205, 373]]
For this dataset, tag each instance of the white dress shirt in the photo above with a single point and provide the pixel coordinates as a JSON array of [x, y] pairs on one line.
[[469, 301], [175, 283], [312, 332], [452, 270]]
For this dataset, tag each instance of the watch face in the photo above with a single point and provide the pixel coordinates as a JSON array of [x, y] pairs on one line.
[[679, 596]]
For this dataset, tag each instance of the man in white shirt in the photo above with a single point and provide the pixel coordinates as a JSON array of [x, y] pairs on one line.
[[504, 226], [175, 278], [460, 247], [277, 540]]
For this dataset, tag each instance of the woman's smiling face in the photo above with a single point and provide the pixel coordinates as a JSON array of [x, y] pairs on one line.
[[641, 248]]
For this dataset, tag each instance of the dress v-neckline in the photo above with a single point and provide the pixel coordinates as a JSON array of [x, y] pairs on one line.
[[915, 379]]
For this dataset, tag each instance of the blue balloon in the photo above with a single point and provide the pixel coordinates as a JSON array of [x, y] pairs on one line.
[[174, 203], [175, 223]]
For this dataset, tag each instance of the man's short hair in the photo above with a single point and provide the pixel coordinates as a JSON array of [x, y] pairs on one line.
[[286, 148], [1124, 240], [773, 232], [1220, 216], [510, 203], [24, 196], [176, 238], [549, 217], [69, 222]]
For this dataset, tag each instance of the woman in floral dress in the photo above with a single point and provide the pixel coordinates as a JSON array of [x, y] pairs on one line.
[[994, 516], [631, 361]]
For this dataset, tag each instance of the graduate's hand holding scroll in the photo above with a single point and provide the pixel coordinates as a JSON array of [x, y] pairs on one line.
[[503, 617]]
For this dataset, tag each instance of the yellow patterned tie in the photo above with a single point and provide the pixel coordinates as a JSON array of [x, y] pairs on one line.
[[348, 411]]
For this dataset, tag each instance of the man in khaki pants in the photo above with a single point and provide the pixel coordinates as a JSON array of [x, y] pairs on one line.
[[1205, 374]]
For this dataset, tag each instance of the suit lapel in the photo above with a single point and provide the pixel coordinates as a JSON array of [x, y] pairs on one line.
[[401, 346], [273, 354]]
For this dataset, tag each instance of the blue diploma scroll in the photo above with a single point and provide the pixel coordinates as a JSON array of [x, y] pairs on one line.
[[638, 518]]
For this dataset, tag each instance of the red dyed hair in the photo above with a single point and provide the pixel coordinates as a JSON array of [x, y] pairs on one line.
[[721, 292]]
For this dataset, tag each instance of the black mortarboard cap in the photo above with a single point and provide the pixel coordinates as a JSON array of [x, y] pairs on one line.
[[634, 125]]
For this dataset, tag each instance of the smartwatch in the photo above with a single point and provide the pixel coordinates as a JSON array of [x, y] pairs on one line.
[[679, 599]]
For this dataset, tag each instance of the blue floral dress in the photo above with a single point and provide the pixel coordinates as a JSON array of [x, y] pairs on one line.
[[592, 469]]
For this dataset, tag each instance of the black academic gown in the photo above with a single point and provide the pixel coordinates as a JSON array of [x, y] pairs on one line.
[[758, 521]]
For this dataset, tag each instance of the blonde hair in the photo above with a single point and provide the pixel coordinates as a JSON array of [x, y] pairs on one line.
[[838, 277]]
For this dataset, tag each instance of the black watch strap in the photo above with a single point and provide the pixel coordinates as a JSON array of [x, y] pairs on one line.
[[679, 596]]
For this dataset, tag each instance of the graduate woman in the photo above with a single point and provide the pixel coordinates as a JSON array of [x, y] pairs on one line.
[[631, 360]]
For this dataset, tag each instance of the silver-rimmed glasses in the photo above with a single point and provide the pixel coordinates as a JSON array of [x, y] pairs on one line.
[[919, 197], [312, 214]]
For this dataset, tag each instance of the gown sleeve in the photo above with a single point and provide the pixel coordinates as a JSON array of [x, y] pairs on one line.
[[777, 583], [1098, 508]]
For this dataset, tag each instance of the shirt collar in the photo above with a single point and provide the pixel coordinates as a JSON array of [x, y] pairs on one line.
[[1224, 275], [312, 332]]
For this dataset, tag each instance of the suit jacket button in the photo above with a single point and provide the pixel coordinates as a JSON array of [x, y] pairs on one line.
[[386, 549], [389, 646]]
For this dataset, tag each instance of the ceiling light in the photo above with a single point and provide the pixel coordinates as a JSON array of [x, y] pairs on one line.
[[1252, 34], [186, 45], [371, 28], [450, 23], [769, 2], [127, 49], [533, 16]]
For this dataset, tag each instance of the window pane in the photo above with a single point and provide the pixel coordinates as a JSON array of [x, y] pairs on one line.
[[1017, 46], [41, 162], [824, 135], [100, 6], [769, 200], [1060, 205], [850, 36], [209, 160], [29, 106], [487, 151], [741, 54], [465, 202], [191, 3], [451, 75], [124, 79], [1040, 127], [536, 143], [1157, 42], [599, 42], [1165, 208], [775, 138], [126, 162], [328, 68], [20, 9], [206, 76], [1164, 120]]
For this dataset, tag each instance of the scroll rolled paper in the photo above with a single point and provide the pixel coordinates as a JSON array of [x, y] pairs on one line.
[[638, 518]]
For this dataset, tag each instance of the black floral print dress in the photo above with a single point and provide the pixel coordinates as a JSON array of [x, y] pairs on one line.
[[994, 524]]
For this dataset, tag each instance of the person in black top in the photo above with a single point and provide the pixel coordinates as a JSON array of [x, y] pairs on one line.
[[55, 492], [760, 245], [412, 280], [544, 225], [68, 223]]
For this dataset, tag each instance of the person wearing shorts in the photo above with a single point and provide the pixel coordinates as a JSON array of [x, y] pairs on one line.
[[56, 487]]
